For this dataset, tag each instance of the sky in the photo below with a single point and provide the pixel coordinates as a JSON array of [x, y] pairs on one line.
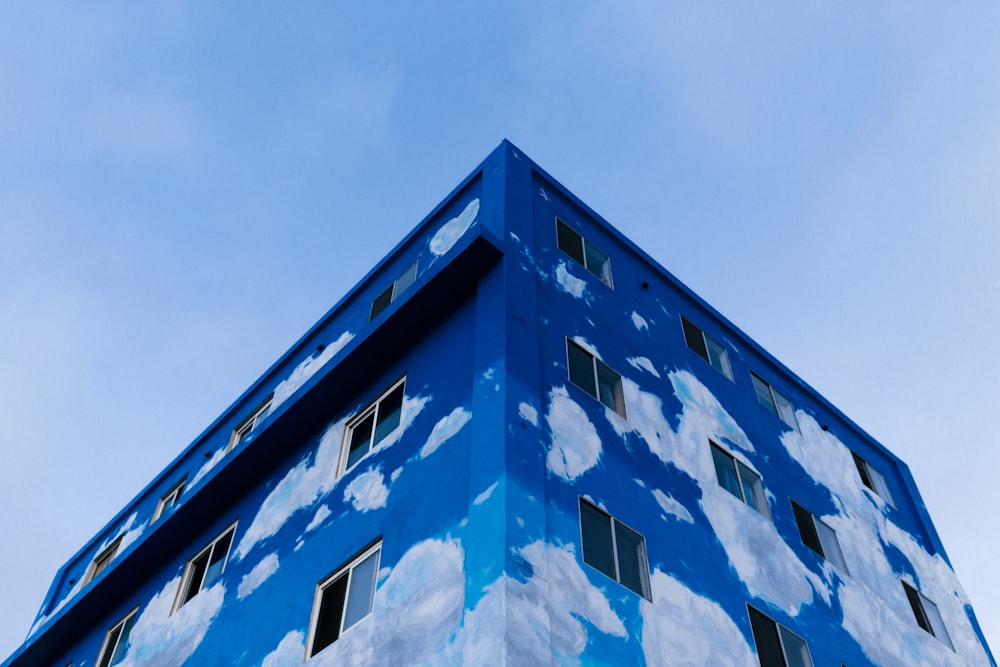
[[186, 188]]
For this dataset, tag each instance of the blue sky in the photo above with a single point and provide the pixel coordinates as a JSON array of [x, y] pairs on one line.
[[185, 189]]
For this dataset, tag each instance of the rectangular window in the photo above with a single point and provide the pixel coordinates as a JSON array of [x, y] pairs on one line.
[[344, 598], [819, 537], [116, 641], [206, 567], [584, 252], [614, 549], [103, 559], [707, 347], [169, 499], [777, 646], [739, 480], [927, 614], [595, 377], [872, 478], [372, 425], [777, 404], [247, 426], [392, 292]]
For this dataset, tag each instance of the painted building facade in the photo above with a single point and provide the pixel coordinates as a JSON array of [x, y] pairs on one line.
[[518, 441]]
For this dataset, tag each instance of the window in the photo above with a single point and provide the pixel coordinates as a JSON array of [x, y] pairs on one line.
[[872, 478], [777, 646], [372, 425], [739, 480], [392, 292], [707, 348], [205, 568], [777, 404], [116, 641], [344, 598], [103, 559], [614, 549], [819, 537], [595, 377], [927, 614], [169, 499], [250, 423], [584, 252]]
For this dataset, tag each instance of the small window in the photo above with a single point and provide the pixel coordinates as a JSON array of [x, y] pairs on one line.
[[614, 549], [819, 537], [777, 404], [707, 347], [777, 646], [595, 377], [872, 478], [169, 499], [739, 480], [584, 252], [343, 599], [250, 423], [392, 292], [206, 567], [103, 559], [927, 614], [116, 641], [372, 425]]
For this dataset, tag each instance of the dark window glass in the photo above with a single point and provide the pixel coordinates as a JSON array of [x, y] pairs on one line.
[[217, 561], [389, 410], [609, 385], [725, 472], [765, 636], [598, 263], [381, 302], [763, 393], [807, 529], [331, 613], [362, 590], [598, 545], [196, 574], [581, 368], [361, 436], [694, 338], [345, 599], [631, 549], [753, 489], [796, 651], [570, 242]]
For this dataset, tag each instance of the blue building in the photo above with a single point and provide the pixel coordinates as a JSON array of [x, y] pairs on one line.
[[518, 441]]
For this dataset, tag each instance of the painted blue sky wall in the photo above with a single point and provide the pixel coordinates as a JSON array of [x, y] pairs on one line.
[[475, 495]]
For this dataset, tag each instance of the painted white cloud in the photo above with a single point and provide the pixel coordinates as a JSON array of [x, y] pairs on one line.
[[289, 651], [267, 566], [670, 505], [321, 515], [639, 321], [485, 495], [213, 461], [160, 638], [528, 413], [367, 491], [575, 447], [643, 364], [307, 369], [416, 609], [674, 626], [569, 283], [862, 528], [452, 231], [759, 555], [446, 428], [312, 479]]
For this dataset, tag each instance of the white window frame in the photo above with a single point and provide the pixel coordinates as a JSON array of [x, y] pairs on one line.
[[710, 345], [103, 559], [599, 368], [372, 409], [778, 404], [826, 537], [873, 479], [602, 273], [113, 639], [784, 635], [393, 291], [248, 425], [189, 569], [927, 614], [169, 499], [345, 570], [760, 505], [643, 558]]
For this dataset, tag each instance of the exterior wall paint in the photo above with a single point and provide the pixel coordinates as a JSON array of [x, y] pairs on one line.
[[476, 495]]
